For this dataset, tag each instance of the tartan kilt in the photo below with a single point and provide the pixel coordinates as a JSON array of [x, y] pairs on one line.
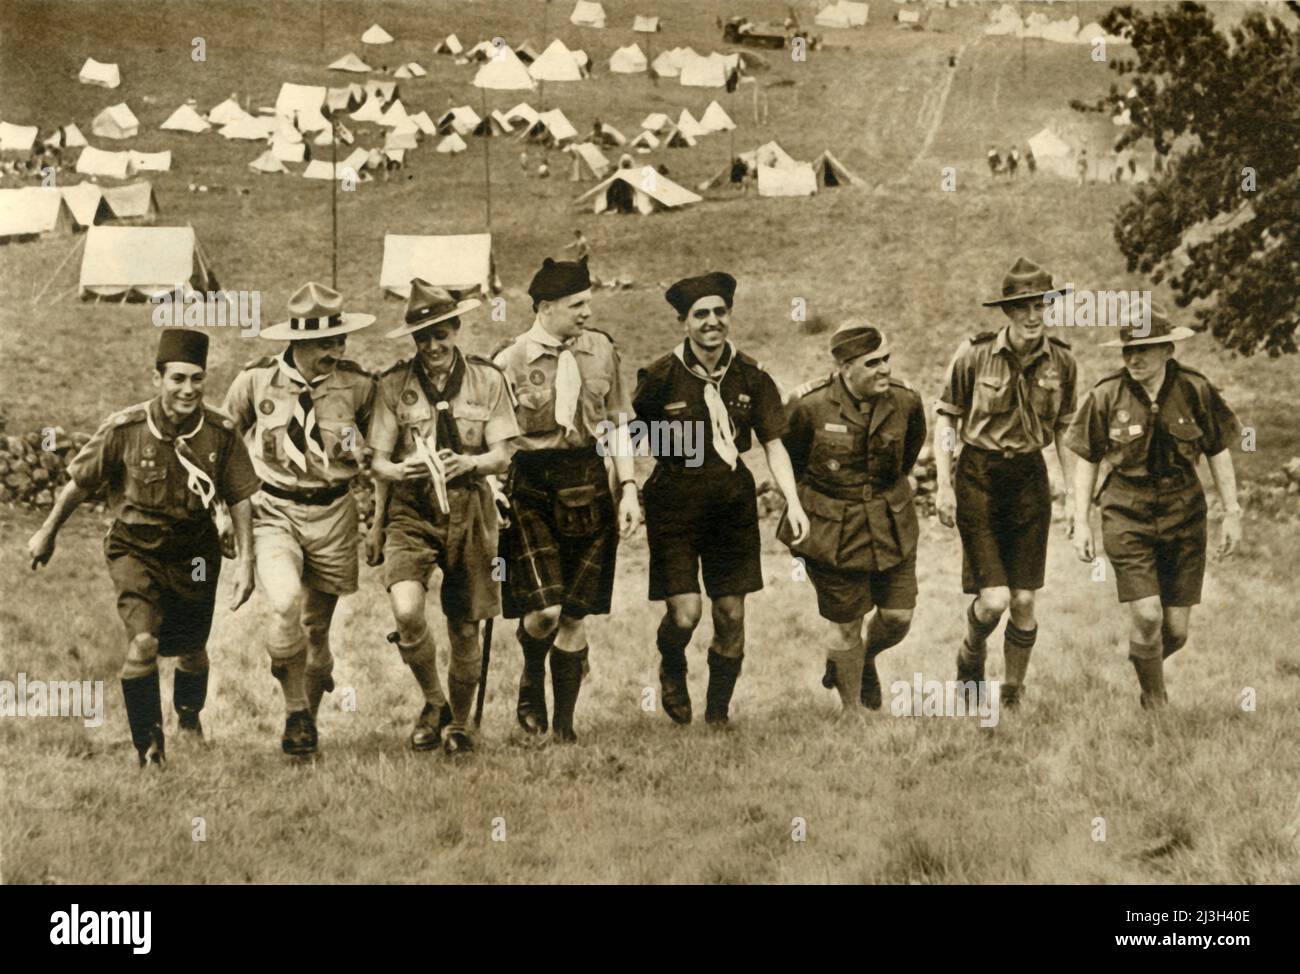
[[544, 567]]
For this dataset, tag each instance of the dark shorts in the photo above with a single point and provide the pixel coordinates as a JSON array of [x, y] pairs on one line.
[[463, 544], [565, 560], [703, 521], [1004, 515], [1155, 540], [848, 596], [153, 570]]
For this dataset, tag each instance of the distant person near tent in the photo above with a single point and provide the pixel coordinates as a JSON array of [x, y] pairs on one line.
[[580, 246], [1013, 162], [1030, 162], [1083, 166], [738, 173], [995, 162]]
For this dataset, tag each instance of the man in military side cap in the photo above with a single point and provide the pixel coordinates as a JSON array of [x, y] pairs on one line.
[[701, 507], [165, 463], [853, 438]]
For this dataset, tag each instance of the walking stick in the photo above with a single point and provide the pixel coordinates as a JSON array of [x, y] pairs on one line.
[[482, 677]]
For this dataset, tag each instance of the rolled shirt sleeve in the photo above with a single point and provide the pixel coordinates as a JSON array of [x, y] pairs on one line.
[[1221, 423], [958, 383], [1086, 434], [502, 424], [239, 402], [769, 413], [914, 439], [618, 404], [238, 480], [100, 460], [383, 423], [1069, 393]]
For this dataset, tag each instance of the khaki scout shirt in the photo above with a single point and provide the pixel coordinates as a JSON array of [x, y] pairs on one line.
[[1006, 405], [261, 401], [1117, 422], [851, 459], [530, 368], [482, 410], [146, 482]]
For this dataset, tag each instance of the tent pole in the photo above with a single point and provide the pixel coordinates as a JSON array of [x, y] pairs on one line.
[[334, 202], [487, 166]]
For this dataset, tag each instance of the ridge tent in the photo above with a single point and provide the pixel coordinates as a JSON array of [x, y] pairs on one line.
[[587, 14], [462, 120], [133, 203], [67, 137], [642, 190], [668, 64], [769, 155], [302, 104], [628, 60], [675, 138], [345, 99], [687, 124], [402, 138], [645, 25], [715, 119], [703, 72], [228, 111], [291, 151], [250, 128], [116, 122], [396, 116], [1053, 154], [645, 142], [326, 137], [557, 63], [150, 161], [842, 14], [185, 119], [353, 166], [267, 163], [503, 71], [425, 124], [522, 112], [17, 138], [656, 122], [395, 155], [31, 211], [103, 75], [350, 62], [452, 145], [282, 130], [609, 136], [552, 128], [137, 263], [369, 112], [588, 161], [832, 173], [383, 91], [494, 125], [410, 70], [86, 203], [449, 45], [527, 53], [376, 35], [97, 162], [458, 262], [797, 181]]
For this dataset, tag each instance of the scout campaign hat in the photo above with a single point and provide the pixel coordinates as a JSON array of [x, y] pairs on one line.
[[857, 338], [316, 311], [688, 290], [1133, 333], [428, 305], [1026, 281]]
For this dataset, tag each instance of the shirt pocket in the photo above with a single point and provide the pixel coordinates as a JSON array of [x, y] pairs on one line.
[[470, 423], [146, 486], [594, 401], [1045, 395], [1126, 446], [833, 450], [271, 428], [994, 395], [1187, 436], [536, 411], [338, 425]]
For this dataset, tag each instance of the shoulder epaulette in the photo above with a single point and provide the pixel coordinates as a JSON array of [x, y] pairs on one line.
[[1117, 374], [131, 414], [812, 386], [901, 383], [259, 363], [347, 365], [481, 360], [1191, 371], [502, 346], [750, 360], [1060, 341], [600, 331], [396, 366], [983, 336], [217, 416]]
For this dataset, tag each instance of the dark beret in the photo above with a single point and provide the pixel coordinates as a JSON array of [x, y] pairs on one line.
[[558, 279], [182, 345], [688, 290]]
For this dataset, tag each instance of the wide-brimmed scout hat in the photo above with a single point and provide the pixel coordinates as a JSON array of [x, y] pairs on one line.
[[1135, 333], [316, 311], [428, 305], [1026, 281]]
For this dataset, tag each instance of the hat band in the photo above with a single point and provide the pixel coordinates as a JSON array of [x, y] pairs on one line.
[[314, 324], [423, 314]]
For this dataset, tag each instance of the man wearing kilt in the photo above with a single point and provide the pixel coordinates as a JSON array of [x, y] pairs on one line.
[[564, 532]]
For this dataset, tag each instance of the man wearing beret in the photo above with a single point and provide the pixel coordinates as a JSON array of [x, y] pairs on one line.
[[165, 463], [442, 424], [1149, 423], [853, 438], [303, 414], [701, 506], [1006, 397], [563, 538]]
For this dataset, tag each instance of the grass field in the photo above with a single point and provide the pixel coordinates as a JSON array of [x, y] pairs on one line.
[[1206, 793]]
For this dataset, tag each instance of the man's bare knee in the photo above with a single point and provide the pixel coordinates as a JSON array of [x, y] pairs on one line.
[[996, 600], [141, 656]]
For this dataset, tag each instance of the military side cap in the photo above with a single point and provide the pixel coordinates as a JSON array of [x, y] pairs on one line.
[[182, 345], [558, 279], [855, 338], [688, 290], [1137, 329], [1026, 281]]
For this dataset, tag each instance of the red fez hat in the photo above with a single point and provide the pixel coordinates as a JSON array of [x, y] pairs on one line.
[[182, 345]]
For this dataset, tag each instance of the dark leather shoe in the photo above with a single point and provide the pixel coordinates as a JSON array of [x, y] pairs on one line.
[[870, 695], [1010, 695], [188, 723], [530, 711], [674, 693], [427, 733], [299, 734], [457, 744], [155, 754], [828, 678]]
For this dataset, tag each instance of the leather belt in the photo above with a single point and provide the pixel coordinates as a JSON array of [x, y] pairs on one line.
[[861, 492], [1001, 454], [316, 496]]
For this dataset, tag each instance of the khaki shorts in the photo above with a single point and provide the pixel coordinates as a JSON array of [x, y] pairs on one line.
[[321, 539]]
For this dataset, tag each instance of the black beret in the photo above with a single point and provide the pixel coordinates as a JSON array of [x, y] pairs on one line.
[[558, 279], [688, 290], [182, 345]]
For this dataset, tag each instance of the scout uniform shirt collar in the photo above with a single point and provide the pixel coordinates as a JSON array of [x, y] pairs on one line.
[[196, 478], [686, 355], [1167, 383], [724, 432], [542, 342], [1003, 344], [568, 377]]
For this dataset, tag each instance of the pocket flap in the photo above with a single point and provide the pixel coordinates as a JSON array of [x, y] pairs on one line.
[[818, 504], [1185, 431], [582, 496]]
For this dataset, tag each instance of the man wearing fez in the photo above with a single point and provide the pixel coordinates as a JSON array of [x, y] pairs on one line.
[[1009, 394], [303, 414], [1149, 423], [853, 438], [701, 506], [442, 423], [564, 533], [165, 463]]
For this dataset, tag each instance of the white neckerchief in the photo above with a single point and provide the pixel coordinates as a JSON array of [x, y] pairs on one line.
[[305, 416], [197, 479], [568, 379], [724, 437]]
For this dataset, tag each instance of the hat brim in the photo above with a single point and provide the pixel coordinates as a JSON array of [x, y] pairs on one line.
[[462, 307], [1030, 296], [1178, 334], [282, 331]]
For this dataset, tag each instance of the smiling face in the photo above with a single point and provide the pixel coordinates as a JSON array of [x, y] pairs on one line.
[[316, 356], [867, 376], [1026, 322], [565, 317], [180, 388], [437, 344], [707, 322], [1147, 362]]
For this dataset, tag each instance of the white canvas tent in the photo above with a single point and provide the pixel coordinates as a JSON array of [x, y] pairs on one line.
[[628, 60], [137, 263], [97, 162], [645, 142], [462, 120], [552, 128], [641, 190], [410, 70], [350, 62], [30, 212], [503, 71], [116, 122], [452, 145], [668, 64], [225, 113], [134, 203], [67, 137], [396, 117], [1053, 154], [302, 105], [150, 161], [291, 151], [656, 122], [376, 35], [588, 161], [17, 138], [587, 14], [251, 128], [715, 119], [402, 138], [831, 173], [645, 25], [449, 45], [267, 163], [704, 72], [95, 73], [369, 112], [382, 91], [459, 262], [86, 203], [556, 63], [675, 138], [797, 181], [687, 125], [185, 119], [523, 112], [608, 135], [843, 14]]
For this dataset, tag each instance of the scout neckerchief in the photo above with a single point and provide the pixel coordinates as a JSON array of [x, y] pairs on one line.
[[568, 379], [197, 479], [302, 433], [1024, 405], [445, 432], [724, 437]]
